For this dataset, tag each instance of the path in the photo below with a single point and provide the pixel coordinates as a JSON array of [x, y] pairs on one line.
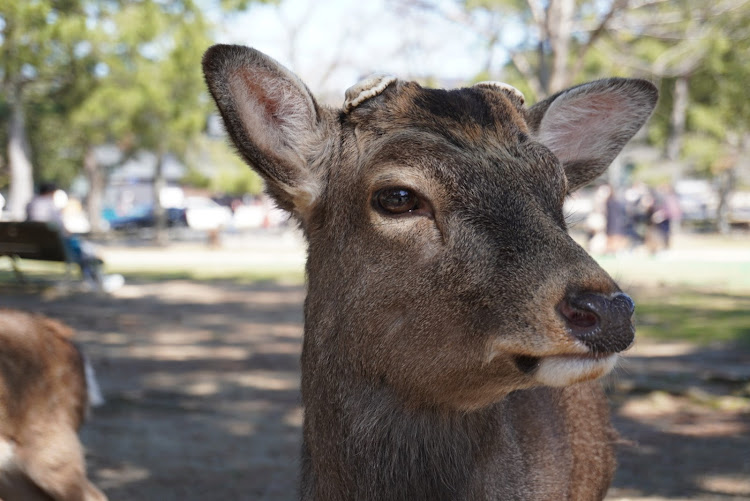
[[202, 382]]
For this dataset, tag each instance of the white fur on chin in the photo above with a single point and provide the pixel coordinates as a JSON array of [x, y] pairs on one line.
[[7, 455], [561, 371]]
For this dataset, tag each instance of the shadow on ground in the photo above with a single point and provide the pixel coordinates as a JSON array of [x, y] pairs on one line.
[[684, 415], [202, 388]]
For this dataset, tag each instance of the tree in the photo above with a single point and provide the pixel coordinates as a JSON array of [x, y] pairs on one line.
[[696, 51], [699, 51], [549, 40], [229, 173], [42, 48], [149, 94], [719, 114], [91, 72]]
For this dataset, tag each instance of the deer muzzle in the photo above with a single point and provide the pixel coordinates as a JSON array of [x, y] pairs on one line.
[[601, 324]]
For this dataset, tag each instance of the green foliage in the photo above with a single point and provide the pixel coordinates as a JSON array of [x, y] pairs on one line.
[[693, 315], [239, 5], [98, 71], [45, 63], [237, 182], [150, 93], [196, 179], [704, 118], [721, 83], [708, 44], [496, 5], [214, 165], [703, 149]]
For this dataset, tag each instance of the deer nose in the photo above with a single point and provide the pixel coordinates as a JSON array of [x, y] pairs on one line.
[[602, 323]]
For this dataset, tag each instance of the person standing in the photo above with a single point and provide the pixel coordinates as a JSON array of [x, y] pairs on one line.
[[616, 223]]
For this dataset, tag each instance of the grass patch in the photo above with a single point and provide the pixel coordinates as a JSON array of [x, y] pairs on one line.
[[678, 314], [42, 272], [676, 301], [38, 271], [636, 270], [235, 277]]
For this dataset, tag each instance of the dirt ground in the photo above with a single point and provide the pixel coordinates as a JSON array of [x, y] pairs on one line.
[[202, 388]]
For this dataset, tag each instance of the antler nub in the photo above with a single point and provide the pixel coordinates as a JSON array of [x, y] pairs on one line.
[[367, 88], [502, 86]]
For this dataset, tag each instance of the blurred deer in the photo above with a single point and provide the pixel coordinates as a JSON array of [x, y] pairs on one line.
[[43, 402], [453, 329]]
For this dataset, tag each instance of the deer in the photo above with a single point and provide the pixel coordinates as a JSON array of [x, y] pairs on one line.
[[44, 397], [454, 332]]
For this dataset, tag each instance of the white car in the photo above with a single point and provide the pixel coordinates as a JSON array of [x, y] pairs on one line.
[[204, 214], [249, 216]]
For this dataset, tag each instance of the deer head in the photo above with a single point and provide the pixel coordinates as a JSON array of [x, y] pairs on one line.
[[439, 259]]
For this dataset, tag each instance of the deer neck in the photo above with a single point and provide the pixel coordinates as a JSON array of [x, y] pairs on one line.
[[362, 442]]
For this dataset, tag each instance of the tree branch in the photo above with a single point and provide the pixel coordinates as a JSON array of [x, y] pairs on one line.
[[537, 12], [615, 7], [527, 72]]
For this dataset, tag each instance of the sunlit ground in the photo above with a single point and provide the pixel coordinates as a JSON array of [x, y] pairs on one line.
[[198, 358]]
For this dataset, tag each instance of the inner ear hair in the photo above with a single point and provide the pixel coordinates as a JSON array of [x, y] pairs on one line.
[[272, 119], [588, 125]]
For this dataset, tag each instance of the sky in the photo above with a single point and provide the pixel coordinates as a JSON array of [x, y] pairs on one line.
[[357, 38]]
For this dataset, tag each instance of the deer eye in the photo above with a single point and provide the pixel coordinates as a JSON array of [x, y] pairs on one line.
[[397, 201]]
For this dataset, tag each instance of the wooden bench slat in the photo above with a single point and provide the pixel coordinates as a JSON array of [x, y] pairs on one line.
[[32, 240]]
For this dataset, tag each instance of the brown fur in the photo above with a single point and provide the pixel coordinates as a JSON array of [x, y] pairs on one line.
[[431, 337], [43, 402]]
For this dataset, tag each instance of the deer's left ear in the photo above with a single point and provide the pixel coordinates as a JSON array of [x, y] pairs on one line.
[[587, 126]]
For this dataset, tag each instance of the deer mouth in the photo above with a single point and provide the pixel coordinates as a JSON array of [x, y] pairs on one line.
[[564, 370], [526, 364]]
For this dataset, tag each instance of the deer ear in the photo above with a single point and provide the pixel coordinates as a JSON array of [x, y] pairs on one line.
[[587, 126], [272, 119]]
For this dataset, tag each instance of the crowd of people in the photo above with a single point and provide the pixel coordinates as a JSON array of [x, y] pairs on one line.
[[638, 216]]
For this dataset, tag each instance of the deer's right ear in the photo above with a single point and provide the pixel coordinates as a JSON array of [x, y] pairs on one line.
[[272, 119]]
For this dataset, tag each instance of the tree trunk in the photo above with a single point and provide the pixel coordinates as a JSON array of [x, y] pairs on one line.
[[726, 185], [95, 177], [542, 75], [673, 147], [559, 28], [19, 160], [726, 176], [160, 215]]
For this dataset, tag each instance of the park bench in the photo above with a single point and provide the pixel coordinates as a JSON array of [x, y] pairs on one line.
[[34, 241]]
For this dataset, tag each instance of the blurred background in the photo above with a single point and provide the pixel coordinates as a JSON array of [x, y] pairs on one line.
[[104, 100]]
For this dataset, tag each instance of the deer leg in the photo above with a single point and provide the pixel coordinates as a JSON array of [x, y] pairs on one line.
[[16, 486], [14, 483], [57, 467]]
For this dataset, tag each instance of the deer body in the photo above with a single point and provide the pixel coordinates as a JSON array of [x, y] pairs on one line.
[[453, 329], [43, 402]]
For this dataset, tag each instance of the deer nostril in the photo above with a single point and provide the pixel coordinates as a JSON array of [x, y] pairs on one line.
[[601, 323], [577, 317]]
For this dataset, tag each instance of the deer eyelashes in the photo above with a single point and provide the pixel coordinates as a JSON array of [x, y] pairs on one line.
[[398, 201]]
